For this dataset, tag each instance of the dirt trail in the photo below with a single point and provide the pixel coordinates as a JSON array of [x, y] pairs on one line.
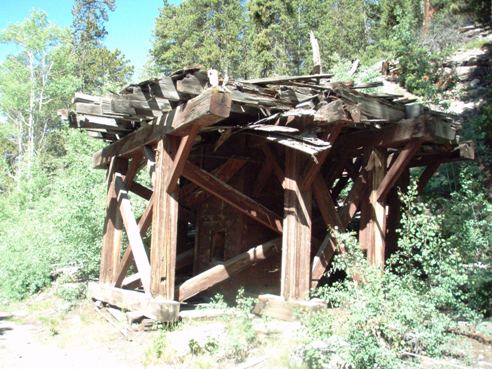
[[75, 344]]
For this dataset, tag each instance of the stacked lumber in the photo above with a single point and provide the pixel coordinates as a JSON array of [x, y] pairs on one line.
[[291, 111]]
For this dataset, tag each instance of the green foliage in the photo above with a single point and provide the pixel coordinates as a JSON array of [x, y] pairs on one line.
[[213, 36], [466, 227], [52, 220], [34, 83], [240, 331], [259, 37], [99, 69], [379, 327]]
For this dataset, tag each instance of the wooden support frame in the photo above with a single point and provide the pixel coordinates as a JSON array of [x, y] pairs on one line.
[[296, 239], [181, 157], [398, 166], [377, 210], [164, 223], [328, 246], [133, 232], [110, 252], [143, 224], [427, 175], [208, 108], [233, 197], [192, 195], [313, 169]]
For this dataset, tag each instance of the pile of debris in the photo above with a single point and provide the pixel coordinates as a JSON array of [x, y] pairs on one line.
[[291, 111]]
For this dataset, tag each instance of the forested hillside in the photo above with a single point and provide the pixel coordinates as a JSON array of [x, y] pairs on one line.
[[52, 201]]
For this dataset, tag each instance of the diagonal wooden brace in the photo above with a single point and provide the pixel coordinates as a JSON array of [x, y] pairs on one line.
[[133, 233]]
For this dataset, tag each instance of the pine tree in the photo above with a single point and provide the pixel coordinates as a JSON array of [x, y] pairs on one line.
[[100, 69], [206, 32]]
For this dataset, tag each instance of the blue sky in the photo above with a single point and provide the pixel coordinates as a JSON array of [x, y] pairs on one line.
[[129, 27]]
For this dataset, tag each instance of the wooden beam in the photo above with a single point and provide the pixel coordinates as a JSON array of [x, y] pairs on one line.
[[377, 211], [272, 158], [322, 259], [133, 168], [313, 168], [346, 213], [143, 225], [146, 193], [208, 108], [233, 197], [356, 194], [184, 150], [164, 224], [220, 273], [191, 195], [141, 190], [423, 129], [110, 252], [282, 80], [296, 239], [427, 175], [325, 203], [133, 233], [157, 309], [397, 168]]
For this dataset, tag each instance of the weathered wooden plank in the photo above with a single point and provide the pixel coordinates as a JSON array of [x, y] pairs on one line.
[[143, 225], [110, 252], [313, 168], [133, 232], [296, 239], [400, 164], [164, 223], [325, 203], [153, 308], [208, 108], [331, 113], [184, 150], [372, 106], [191, 195], [233, 197], [399, 134], [281, 80], [220, 273], [377, 211]]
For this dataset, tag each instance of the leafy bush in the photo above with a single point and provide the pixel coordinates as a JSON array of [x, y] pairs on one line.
[[53, 219], [240, 330], [386, 316], [412, 304]]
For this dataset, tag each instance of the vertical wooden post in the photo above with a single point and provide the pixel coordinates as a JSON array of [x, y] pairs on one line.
[[296, 239], [377, 211], [113, 224], [164, 222]]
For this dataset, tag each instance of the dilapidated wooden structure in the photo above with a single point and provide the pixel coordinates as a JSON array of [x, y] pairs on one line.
[[247, 178]]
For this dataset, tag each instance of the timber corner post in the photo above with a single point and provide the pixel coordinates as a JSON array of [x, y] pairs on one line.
[[245, 180]]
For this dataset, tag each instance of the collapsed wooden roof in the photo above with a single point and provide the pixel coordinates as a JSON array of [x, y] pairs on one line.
[[292, 111]]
